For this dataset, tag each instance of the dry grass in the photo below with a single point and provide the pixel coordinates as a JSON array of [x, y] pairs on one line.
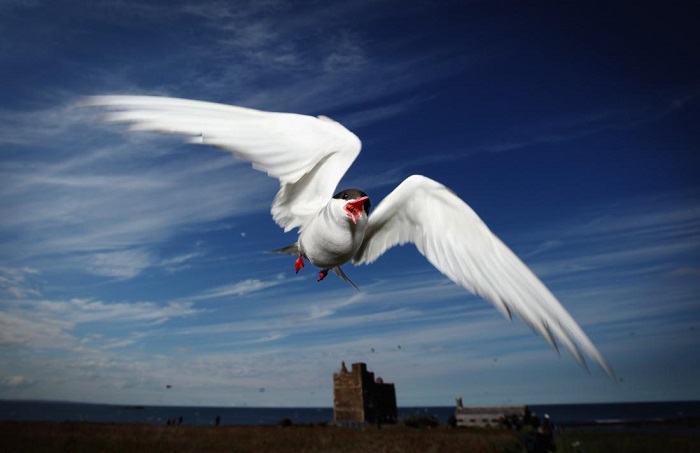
[[628, 441], [92, 437]]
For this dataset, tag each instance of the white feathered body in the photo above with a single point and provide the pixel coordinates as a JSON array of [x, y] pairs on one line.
[[330, 239]]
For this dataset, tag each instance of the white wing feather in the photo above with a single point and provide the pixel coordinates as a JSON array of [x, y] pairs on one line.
[[457, 242], [308, 155]]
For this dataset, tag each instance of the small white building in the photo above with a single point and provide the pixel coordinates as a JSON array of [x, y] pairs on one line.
[[483, 416]]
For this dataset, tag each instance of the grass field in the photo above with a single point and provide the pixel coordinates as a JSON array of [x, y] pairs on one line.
[[93, 437]]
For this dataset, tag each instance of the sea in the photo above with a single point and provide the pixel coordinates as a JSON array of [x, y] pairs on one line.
[[592, 416]]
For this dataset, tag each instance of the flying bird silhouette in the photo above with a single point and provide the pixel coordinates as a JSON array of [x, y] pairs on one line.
[[309, 155]]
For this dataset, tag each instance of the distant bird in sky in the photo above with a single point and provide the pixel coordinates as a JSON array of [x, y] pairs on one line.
[[309, 155]]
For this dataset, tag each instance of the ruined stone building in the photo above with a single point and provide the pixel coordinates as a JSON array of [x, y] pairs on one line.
[[358, 397]]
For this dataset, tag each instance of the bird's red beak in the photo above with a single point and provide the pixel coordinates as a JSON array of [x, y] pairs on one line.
[[355, 209]]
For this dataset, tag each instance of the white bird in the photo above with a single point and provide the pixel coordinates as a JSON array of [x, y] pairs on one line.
[[309, 155]]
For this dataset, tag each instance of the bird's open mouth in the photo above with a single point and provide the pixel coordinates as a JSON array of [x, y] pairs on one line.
[[354, 209]]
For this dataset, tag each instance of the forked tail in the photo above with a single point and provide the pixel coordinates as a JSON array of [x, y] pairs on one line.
[[288, 250], [339, 272]]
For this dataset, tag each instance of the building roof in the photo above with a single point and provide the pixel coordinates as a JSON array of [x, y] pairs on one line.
[[490, 409]]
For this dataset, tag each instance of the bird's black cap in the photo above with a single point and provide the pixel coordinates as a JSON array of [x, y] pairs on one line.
[[354, 194]]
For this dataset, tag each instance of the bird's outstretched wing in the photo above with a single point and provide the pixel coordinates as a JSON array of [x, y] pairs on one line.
[[309, 155], [458, 243]]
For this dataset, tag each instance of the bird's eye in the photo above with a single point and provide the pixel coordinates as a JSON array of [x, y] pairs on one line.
[[345, 196]]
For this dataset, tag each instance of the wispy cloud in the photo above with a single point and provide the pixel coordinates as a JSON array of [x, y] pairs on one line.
[[42, 127], [18, 282], [238, 289], [656, 233], [121, 264], [114, 205], [328, 66], [15, 381], [34, 332], [178, 263], [62, 316], [577, 124]]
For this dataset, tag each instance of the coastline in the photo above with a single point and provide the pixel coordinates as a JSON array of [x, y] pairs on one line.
[[678, 425], [564, 415]]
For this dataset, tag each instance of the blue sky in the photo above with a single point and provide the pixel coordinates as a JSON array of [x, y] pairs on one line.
[[129, 262]]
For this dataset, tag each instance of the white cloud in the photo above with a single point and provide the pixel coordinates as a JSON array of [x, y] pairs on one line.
[[684, 272], [27, 330], [112, 204], [238, 289], [18, 282], [348, 55], [322, 60], [15, 381], [629, 237], [80, 311], [122, 264], [178, 263], [52, 324]]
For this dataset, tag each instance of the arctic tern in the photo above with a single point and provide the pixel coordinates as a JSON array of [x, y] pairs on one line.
[[309, 155]]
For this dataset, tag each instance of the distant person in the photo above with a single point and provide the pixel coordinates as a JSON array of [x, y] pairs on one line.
[[452, 421], [547, 425], [548, 431], [217, 421], [543, 438]]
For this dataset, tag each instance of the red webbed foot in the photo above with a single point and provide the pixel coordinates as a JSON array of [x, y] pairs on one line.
[[322, 274], [299, 263]]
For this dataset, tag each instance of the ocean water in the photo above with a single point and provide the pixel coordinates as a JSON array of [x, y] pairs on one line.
[[561, 414]]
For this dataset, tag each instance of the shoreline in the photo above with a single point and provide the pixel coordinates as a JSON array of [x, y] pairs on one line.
[[689, 425], [690, 422]]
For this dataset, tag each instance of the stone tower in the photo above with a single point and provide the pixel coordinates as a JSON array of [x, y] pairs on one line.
[[358, 397]]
